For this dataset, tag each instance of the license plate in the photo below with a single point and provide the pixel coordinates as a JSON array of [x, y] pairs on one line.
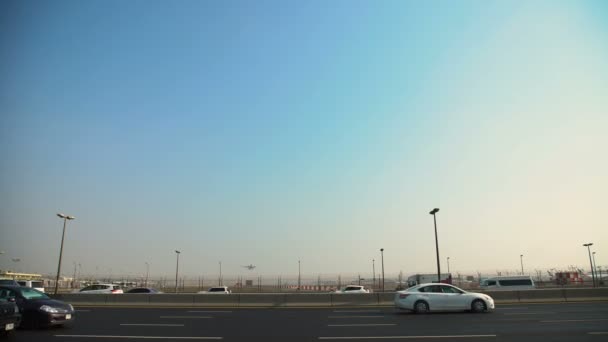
[[9, 326], [68, 316]]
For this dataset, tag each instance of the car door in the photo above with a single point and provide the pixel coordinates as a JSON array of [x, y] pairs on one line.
[[434, 296], [453, 299]]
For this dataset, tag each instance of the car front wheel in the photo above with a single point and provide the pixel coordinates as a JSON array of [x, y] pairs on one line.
[[478, 306], [421, 307]]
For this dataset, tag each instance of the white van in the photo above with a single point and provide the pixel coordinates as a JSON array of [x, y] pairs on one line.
[[508, 283], [35, 284]]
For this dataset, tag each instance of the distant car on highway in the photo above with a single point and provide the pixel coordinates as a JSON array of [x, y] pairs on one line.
[[38, 309], [353, 289], [148, 290], [217, 290], [101, 288], [442, 297]]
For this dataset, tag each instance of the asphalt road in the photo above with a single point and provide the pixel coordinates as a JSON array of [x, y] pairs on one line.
[[521, 323]]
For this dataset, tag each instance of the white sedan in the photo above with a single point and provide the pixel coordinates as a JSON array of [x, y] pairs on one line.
[[353, 289], [442, 297]]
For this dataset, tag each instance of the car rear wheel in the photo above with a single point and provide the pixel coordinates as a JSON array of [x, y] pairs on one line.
[[478, 306], [421, 307]]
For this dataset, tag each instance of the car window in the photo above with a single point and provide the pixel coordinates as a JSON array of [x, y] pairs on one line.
[[116, 287], [217, 289], [449, 289], [29, 293], [491, 282], [6, 294], [88, 288]]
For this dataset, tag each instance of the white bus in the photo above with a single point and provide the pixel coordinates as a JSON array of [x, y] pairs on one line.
[[508, 283]]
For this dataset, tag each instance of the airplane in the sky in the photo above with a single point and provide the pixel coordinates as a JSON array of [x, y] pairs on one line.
[[249, 267]]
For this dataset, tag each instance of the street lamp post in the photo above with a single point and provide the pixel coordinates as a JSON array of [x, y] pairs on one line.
[[448, 265], [147, 273], [65, 220], [521, 261], [588, 245], [374, 272], [434, 212], [220, 279], [177, 269], [299, 275], [382, 257], [595, 270]]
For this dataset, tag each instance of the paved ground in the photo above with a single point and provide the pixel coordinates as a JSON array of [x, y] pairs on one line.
[[520, 323]]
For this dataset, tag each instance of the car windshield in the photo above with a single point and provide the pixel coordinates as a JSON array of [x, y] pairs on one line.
[[28, 293]]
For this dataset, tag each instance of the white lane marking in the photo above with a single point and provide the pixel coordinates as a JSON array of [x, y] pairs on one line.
[[528, 313], [186, 317], [145, 337], [151, 325], [352, 311], [355, 316], [575, 320], [400, 337], [360, 325], [598, 333], [210, 311]]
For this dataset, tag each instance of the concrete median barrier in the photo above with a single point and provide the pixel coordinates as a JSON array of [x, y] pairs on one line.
[[83, 298], [231, 300], [358, 299], [262, 299], [172, 299], [127, 298], [545, 296], [386, 298], [572, 295], [308, 299]]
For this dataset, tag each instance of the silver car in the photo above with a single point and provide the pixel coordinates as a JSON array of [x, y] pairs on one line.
[[442, 297]]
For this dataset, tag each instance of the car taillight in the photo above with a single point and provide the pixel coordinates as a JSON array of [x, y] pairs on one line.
[[115, 291], [403, 295]]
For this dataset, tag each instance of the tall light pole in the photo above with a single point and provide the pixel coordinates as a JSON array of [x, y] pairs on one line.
[[299, 275], [588, 245], [521, 261], [65, 220], [448, 265], [177, 269], [374, 271], [147, 273], [595, 269], [433, 212], [220, 279], [382, 257]]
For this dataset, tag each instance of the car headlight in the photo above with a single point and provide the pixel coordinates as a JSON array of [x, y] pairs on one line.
[[71, 307], [48, 309]]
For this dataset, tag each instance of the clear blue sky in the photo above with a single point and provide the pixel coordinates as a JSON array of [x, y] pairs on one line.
[[270, 131]]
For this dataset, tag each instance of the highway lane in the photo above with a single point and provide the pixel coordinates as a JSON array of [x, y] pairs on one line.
[[521, 323]]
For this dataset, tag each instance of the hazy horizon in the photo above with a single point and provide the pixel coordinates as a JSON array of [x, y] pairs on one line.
[[270, 132]]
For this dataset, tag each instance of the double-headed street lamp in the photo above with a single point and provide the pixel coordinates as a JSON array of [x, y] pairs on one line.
[[65, 220], [177, 269], [588, 245], [433, 212]]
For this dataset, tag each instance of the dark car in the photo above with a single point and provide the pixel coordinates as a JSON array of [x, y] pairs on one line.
[[10, 317], [143, 290], [37, 309]]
